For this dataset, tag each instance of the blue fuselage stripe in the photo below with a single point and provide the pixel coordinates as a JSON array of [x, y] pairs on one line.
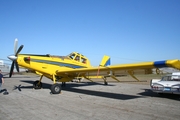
[[160, 64], [57, 63]]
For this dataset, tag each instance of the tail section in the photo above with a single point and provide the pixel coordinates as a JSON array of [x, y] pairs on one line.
[[105, 61]]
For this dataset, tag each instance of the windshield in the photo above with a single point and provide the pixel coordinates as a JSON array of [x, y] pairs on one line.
[[171, 78]]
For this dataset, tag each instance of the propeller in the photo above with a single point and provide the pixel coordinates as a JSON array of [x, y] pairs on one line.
[[14, 57]]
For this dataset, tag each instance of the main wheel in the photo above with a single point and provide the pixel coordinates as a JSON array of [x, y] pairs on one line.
[[105, 83], [36, 85], [55, 89]]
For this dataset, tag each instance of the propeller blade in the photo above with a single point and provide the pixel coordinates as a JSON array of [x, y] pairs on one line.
[[15, 45], [15, 57], [19, 50], [12, 68], [17, 66]]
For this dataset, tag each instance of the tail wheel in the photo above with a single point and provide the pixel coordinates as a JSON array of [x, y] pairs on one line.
[[55, 89], [37, 85]]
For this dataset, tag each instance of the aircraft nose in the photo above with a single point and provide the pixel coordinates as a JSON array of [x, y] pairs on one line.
[[12, 57]]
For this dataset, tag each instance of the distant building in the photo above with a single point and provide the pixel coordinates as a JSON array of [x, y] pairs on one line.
[[1, 62], [4, 68]]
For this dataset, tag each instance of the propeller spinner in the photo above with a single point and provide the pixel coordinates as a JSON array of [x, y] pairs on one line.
[[14, 57]]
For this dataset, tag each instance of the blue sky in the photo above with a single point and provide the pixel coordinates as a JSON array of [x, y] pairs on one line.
[[127, 30]]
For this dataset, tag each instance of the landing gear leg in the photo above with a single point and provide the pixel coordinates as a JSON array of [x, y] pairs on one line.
[[105, 82], [38, 84], [55, 88]]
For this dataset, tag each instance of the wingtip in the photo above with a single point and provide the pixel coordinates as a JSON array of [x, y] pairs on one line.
[[174, 63]]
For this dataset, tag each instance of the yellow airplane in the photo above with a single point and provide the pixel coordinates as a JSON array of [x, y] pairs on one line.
[[76, 66]]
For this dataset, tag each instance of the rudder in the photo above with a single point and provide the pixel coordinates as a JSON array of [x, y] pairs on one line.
[[105, 61]]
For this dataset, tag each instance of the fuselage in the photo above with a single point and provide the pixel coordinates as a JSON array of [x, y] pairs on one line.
[[49, 64]]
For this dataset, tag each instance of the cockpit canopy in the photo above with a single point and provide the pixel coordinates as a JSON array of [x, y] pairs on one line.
[[78, 57]]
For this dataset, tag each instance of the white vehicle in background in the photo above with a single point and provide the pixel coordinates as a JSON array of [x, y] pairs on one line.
[[4, 68], [167, 84]]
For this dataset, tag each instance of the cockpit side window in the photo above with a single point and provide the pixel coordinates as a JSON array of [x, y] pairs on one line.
[[72, 56], [83, 60], [77, 58]]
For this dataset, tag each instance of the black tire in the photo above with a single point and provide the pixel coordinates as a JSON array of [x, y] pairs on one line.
[[105, 83], [55, 89], [63, 84], [36, 85]]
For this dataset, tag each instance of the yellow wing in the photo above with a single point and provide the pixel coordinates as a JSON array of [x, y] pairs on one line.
[[122, 69]]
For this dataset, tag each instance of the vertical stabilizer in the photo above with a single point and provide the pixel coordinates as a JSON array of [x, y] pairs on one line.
[[105, 61]]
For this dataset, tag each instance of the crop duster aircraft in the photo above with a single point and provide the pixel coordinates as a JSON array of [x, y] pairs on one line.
[[76, 66]]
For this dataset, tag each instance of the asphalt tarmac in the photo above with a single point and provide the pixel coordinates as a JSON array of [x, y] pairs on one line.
[[86, 100]]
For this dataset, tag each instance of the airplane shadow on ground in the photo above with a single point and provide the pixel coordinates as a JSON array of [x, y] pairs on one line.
[[102, 94], [73, 87], [149, 93]]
